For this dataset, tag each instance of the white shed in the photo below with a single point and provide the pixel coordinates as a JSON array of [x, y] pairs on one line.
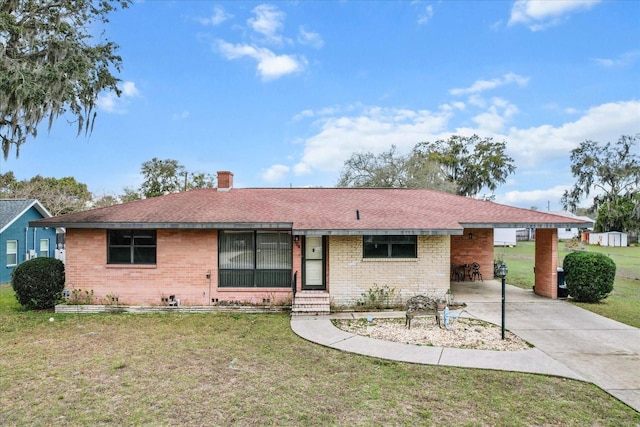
[[611, 238]]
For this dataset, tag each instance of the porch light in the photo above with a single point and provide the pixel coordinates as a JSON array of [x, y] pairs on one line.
[[502, 271], [470, 236]]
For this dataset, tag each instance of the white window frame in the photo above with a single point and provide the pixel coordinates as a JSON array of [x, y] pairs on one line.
[[13, 252], [44, 252]]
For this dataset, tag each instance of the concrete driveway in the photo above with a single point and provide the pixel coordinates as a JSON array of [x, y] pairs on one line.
[[569, 341], [600, 350]]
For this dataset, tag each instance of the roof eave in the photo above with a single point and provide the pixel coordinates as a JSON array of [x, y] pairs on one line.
[[379, 232], [527, 225], [166, 225]]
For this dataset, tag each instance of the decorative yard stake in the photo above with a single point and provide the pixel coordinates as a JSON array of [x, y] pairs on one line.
[[446, 317]]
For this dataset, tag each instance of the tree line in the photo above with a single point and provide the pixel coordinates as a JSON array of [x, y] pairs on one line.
[[65, 195]]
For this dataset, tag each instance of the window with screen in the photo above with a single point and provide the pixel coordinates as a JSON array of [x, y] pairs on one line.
[[389, 246], [131, 247]]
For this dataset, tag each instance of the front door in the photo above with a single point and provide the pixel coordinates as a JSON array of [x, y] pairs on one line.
[[313, 272]]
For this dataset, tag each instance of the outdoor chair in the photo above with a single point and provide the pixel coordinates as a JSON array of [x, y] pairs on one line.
[[455, 273], [475, 272]]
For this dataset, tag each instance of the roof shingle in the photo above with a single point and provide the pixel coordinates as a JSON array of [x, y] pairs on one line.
[[309, 210]]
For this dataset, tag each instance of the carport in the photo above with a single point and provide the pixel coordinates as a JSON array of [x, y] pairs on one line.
[[476, 245]]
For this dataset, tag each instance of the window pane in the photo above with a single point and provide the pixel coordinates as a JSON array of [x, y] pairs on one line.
[[12, 252], [273, 278], [144, 238], [273, 251], [44, 247], [236, 250], [144, 255], [119, 237], [376, 250], [236, 278], [403, 251], [119, 256]]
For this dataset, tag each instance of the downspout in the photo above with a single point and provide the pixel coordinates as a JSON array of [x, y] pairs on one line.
[[26, 244], [34, 239]]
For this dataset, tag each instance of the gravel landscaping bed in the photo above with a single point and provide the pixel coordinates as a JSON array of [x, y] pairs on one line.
[[461, 333]]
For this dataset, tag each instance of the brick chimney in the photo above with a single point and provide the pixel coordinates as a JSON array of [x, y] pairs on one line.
[[225, 180]]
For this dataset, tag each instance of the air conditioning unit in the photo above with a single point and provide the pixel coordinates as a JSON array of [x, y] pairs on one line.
[[32, 254]]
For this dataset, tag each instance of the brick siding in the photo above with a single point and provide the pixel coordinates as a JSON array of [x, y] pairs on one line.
[[350, 275], [477, 249], [546, 262], [184, 258]]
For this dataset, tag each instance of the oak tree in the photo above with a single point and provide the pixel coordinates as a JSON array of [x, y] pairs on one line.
[[52, 65], [611, 173], [470, 162], [168, 176]]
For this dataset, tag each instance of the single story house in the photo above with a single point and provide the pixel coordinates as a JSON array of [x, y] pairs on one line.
[[260, 245], [18, 240], [505, 237], [568, 233]]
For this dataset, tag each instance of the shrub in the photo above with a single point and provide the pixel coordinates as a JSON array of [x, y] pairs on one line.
[[589, 276], [39, 282]]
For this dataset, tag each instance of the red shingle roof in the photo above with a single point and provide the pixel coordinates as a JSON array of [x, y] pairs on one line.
[[309, 210]]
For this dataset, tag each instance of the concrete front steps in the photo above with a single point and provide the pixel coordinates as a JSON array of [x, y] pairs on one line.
[[311, 303]]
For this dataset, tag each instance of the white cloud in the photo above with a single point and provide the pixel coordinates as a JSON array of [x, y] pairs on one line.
[[302, 169], [129, 90], [218, 17], [268, 22], [275, 173], [309, 38], [305, 114], [270, 66], [494, 119], [625, 59], [537, 145], [181, 116], [111, 103], [541, 14], [483, 85], [372, 129], [426, 15], [538, 198]]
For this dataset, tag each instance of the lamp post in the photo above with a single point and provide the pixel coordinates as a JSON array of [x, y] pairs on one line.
[[502, 273]]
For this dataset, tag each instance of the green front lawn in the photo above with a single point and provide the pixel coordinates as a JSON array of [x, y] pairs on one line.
[[623, 304], [225, 369]]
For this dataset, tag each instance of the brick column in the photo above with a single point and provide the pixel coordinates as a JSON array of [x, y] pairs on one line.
[[546, 262]]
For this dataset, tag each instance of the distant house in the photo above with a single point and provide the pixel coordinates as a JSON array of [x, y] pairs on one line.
[[18, 240], [510, 236], [505, 237], [568, 233], [259, 245]]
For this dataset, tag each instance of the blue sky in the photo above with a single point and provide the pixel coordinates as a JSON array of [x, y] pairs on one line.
[[282, 93]]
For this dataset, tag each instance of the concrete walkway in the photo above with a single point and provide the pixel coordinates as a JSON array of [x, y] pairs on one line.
[[569, 341]]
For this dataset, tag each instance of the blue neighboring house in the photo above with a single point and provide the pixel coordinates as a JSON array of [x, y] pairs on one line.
[[18, 241]]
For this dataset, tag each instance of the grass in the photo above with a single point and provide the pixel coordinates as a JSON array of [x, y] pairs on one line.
[[216, 369], [623, 304]]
